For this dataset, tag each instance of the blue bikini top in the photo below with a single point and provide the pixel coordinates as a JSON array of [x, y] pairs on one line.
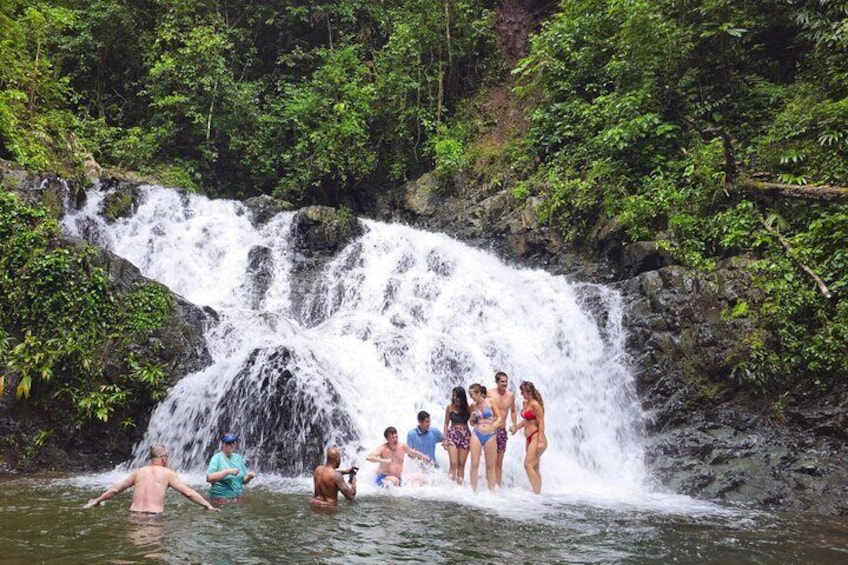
[[486, 413]]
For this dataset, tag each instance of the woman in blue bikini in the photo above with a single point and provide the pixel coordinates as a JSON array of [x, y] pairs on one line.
[[485, 417]]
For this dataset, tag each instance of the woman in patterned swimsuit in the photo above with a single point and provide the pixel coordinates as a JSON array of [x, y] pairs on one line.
[[457, 435]]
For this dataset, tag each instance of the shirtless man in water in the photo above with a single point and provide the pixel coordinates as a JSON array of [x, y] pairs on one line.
[[329, 481], [505, 401], [151, 483], [390, 457]]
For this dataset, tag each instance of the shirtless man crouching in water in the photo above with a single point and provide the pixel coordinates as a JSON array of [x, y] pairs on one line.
[[390, 457], [328, 481], [151, 483]]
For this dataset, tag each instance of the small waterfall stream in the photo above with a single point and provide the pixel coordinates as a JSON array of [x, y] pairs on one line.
[[396, 320]]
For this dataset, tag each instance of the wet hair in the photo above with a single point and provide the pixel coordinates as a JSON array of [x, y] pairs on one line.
[[500, 374], [390, 430], [530, 389], [478, 386], [423, 415], [157, 451], [460, 402]]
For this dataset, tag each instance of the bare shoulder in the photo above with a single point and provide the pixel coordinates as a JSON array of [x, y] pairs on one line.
[[379, 451], [171, 476], [130, 479]]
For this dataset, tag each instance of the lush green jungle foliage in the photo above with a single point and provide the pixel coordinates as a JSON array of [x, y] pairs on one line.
[[312, 100], [60, 321], [656, 115]]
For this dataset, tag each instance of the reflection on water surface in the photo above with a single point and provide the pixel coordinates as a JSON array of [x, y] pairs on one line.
[[41, 521]]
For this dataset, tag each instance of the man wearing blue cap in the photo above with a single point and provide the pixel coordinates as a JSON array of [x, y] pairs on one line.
[[227, 472]]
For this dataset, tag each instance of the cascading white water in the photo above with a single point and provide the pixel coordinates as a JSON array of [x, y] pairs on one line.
[[403, 316]]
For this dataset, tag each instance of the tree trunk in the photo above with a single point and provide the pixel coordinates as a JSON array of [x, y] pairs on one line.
[[822, 193]]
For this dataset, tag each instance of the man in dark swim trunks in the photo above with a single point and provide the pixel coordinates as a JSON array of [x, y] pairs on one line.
[[505, 401], [151, 483], [328, 481]]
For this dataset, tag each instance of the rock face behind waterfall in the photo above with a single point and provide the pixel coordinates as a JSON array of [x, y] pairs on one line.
[[285, 420], [319, 233], [709, 435]]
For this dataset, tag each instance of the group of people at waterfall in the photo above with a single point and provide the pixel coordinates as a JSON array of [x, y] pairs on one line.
[[477, 429], [487, 415]]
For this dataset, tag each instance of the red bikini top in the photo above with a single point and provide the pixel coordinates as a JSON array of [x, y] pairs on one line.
[[528, 415]]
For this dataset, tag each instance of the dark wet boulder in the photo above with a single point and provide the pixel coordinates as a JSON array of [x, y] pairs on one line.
[[319, 233], [286, 418], [265, 207], [260, 273], [324, 230]]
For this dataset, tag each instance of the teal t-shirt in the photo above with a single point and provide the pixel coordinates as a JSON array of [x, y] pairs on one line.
[[231, 485]]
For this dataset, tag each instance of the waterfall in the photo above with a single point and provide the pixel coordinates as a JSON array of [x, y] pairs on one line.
[[395, 321]]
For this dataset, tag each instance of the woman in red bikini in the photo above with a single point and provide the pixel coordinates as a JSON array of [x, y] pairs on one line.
[[533, 422]]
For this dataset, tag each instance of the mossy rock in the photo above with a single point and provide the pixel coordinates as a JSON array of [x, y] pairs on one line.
[[118, 204]]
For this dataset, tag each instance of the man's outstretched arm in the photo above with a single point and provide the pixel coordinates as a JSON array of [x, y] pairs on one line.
[[178, 485], [112, 491]]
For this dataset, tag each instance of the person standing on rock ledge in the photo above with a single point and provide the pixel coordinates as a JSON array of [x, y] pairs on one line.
[[151, 484]]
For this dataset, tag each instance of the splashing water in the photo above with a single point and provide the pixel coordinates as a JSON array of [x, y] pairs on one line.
[[396, 320]]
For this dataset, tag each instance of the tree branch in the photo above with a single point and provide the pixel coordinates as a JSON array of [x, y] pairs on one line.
[[826, 193], [730, 169], [791, 252]]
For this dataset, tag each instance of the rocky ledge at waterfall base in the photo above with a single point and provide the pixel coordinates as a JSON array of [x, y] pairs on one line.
[[706, 436]]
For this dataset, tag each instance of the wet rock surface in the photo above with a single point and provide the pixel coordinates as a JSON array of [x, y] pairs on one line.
[[287, 419], [265, 207], [707, 435], [319, 233]]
